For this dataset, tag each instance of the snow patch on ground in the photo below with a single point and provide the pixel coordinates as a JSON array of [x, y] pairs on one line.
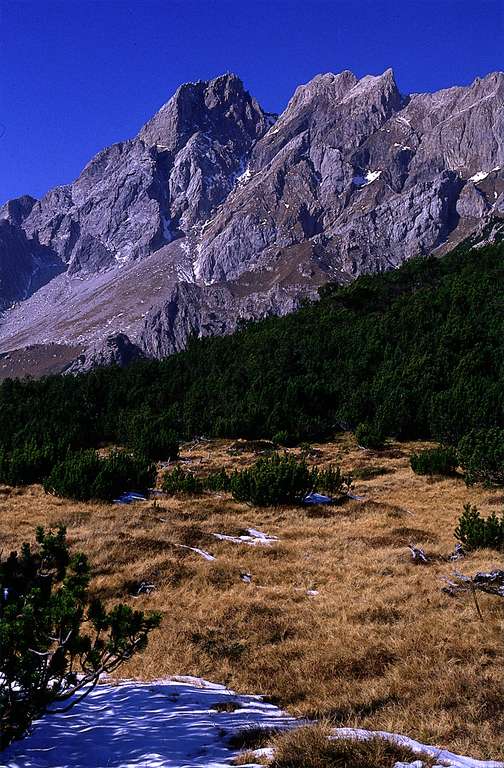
[[173, 723], [367, 178], [198, 551], [441, 755], [251, 537], [179, 722]]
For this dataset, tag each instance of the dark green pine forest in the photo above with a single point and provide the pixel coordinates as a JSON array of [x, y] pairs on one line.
[[417, 352]]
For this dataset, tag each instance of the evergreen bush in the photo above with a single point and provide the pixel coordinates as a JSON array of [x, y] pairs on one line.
[[474, 531], [481, 455], [274, 480], [435, 461], [83, 475], [179, 481], [217, 481], [55, 641], [419, 351], [331, 481], [281, 438], [369, 436], [28, 463], [152, 437]]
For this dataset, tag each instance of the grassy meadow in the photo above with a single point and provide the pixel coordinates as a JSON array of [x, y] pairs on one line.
[[336, 623]]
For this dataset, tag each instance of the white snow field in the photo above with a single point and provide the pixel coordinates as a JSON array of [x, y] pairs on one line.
[[172, 723], [181, 722]]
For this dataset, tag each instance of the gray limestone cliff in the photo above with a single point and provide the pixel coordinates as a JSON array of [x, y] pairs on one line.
[[218, 212]]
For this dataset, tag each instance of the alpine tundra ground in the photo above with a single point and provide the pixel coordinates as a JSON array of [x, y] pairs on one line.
[[333, 620]]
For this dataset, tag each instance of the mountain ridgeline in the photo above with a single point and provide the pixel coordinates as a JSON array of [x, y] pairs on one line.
[[417, 352], [218, 212]]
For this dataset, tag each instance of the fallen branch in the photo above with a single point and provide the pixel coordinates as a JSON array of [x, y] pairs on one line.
[[492, 583], [418, 554]]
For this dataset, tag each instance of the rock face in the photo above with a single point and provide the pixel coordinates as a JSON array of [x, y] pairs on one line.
[[115, 350], [24, 265], [137, 195], [195, 310], [243, 214]]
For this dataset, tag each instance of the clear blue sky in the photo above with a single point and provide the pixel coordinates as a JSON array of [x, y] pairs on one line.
[[78, 75]]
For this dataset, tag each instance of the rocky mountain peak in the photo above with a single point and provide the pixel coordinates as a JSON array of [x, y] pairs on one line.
[[16, 211], [216, 212], [328, 86], [220, 108]]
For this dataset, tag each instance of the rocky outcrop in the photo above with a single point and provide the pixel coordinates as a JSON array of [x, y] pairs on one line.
[[243, 214], [197, 311], [115, 350], [15, 211]]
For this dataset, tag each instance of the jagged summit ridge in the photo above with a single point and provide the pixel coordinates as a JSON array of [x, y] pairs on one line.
[[221, 107], [218, 211]]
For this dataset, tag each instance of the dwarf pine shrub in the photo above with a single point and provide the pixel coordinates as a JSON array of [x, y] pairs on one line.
[[152, 437], [50, 630], [273, 480], [179, 481], [83, 475], [481, 455], [369, 436], [435, 461], [281, 437], [26, 464], [331, 480], [474, 531], [217, 481]]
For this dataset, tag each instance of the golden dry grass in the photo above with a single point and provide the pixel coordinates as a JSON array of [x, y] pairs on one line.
[[380, 646], [311, 747]]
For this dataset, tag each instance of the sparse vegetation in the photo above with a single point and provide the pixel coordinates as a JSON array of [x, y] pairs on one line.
[[368, 473], [50, 631], [352, 653], [442, 460]]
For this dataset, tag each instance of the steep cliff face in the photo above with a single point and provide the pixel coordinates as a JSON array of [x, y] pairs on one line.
[[373, 176], [24, 265], [218, 212], [138, 195], [195, 311]]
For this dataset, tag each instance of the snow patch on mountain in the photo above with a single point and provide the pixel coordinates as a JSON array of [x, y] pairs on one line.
[[479, 176], [367, 178]]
